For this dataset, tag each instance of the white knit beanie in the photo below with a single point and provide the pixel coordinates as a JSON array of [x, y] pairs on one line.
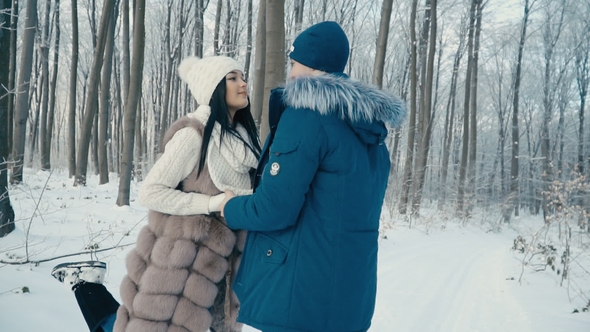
[[203, 75]]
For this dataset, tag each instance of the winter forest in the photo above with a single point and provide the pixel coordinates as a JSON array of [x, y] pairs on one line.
[[496, 93]]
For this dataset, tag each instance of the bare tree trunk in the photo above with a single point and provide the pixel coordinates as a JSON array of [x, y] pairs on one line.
[[92, 98], [132, 102], [125, 45], [450, 119], [583, 80], [199, 26], [44, 85], [298, 9], [382, 43], [168, 57], [550, 41], [259, 65], [12, 74], [105, 105], [248, 43], [227, 38], [562, 106], [94, 137], [426, 118], [116, 125], [471, 171], [113, 150], [513, 201], [72, 101], [53, 85], [91, 12], [138, 150], [217, 24], [178, 111], [407, 177], [466, 103], [274, 74], [21, 112], [6, 210], [35, 104]]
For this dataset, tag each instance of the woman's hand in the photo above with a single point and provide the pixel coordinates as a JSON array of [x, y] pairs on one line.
[[228, 195]]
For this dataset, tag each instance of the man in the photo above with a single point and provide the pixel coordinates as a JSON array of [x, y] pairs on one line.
[[310, 262]]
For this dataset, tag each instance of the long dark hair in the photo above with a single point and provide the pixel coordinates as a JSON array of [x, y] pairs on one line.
[[220, 114]]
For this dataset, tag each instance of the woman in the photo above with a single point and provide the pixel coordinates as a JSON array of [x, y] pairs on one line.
[[179, 274]]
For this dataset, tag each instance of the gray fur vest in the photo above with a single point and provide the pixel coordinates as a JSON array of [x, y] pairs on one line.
[[179, 275]]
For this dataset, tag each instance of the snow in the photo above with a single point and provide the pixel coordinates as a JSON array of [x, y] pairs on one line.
[[433, 276]]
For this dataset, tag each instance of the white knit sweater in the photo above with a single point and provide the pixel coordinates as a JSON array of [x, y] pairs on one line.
[[228, 165]]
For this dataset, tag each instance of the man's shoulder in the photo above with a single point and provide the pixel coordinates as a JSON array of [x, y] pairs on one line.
[[301, 116]]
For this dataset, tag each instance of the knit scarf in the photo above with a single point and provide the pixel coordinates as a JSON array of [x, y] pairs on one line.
[[229, 160]]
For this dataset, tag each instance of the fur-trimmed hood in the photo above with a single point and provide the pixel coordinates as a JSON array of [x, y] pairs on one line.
[[354, 101]]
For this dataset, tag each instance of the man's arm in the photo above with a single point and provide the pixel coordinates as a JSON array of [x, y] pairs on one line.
[[295, 155]]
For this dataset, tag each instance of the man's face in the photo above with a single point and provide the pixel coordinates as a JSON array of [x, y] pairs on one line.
[[298, 70]]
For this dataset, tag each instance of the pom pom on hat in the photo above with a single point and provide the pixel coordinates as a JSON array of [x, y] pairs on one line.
[[323, 46], [203, 75]]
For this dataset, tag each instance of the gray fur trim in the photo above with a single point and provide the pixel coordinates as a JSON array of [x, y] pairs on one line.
[[352, 100]]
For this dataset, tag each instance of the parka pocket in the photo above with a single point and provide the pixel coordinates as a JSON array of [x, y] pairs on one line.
[[280, 147], [270, 250], [283, 159]]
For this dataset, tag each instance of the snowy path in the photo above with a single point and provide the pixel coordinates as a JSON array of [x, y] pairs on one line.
[[457, 281], [449, 281]]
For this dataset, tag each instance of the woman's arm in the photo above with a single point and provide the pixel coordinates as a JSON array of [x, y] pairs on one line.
[[158, 191]]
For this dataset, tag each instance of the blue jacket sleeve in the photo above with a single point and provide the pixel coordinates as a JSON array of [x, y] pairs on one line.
[[295, 155]]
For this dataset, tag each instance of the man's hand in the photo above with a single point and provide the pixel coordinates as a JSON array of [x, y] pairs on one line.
[[228, 195]]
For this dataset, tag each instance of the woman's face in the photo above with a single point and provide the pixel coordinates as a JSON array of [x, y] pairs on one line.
[[236, 92]]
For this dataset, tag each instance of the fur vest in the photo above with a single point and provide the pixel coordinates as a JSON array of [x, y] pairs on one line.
[[180, 273]]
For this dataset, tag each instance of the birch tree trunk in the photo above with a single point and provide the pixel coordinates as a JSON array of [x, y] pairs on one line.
[[21, 111], [132, 102]]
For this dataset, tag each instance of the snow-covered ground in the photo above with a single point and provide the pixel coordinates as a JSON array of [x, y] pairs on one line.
[[435, 276]]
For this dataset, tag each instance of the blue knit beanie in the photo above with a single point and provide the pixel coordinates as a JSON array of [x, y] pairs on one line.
[[323, 46]]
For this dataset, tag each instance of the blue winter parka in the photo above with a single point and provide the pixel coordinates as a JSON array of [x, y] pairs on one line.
[[310, 261]]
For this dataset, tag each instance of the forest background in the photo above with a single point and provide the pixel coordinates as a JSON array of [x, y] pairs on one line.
[[496, 93]]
